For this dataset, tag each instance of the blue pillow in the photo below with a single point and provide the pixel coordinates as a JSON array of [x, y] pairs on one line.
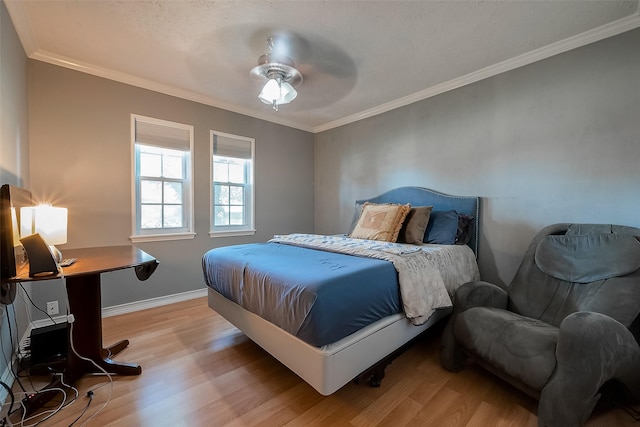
[[442, 228]]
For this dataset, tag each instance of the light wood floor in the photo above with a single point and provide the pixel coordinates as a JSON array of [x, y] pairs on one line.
[[198, 370]]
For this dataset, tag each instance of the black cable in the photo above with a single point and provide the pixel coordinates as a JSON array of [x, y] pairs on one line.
[[13, 399], [15, 377], [90, 396], [24, 291], [4, 355], [34, 304], [11, 336]]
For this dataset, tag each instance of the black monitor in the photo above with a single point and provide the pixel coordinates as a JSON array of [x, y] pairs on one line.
[[11, 251]]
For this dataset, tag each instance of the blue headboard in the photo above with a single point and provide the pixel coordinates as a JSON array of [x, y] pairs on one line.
[[418, 196]]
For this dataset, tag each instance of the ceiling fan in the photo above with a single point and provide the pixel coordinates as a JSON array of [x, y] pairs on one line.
[[281, 75], [326, 68]]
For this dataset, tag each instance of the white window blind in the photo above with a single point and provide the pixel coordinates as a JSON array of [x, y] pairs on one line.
[[162, 135], [225, 146]]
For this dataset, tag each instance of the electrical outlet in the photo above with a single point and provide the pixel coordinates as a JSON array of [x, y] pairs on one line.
[[52, 307]]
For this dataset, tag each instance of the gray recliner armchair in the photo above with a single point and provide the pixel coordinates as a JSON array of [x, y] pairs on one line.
[[566, 326]]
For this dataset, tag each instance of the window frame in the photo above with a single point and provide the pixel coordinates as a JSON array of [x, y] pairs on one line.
[[162, 234], [247, 229]]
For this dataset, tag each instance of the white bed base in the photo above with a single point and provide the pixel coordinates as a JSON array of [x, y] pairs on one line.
[[330, 367]]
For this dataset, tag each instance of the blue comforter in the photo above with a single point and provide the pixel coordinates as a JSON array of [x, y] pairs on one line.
[[320, 297]]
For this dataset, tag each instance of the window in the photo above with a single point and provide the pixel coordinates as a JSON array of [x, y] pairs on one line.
[[232, 193], [163, 194]]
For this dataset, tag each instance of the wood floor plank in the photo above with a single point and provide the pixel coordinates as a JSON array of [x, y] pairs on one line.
[[447, 408], [401, 415], [317, 415], [487, 414], [200, 371], [387, 402]]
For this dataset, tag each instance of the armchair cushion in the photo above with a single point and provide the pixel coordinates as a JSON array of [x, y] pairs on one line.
[[519, 346]]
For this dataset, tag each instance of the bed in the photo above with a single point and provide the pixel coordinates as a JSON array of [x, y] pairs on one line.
[[288, 295]]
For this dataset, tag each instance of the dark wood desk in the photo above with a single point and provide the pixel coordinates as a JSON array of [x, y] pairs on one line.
[[83, 289]]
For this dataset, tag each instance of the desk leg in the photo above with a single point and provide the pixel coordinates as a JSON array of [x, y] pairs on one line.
[[86, 307]]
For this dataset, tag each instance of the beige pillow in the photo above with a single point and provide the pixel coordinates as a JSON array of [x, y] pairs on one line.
[[380, 222], [415, 225]]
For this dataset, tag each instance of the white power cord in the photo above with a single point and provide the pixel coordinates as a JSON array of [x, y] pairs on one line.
[[71, 320]]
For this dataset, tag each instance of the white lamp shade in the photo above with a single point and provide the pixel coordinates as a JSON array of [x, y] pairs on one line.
[[49, 222], [277, 93], [270, 92], [287, 92]]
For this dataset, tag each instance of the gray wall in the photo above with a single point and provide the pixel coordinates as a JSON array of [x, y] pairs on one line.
[[554, 141], [14, 146], [80, 154], [558, 140]]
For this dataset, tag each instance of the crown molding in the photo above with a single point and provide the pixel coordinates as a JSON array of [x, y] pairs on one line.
[[21, 23], [591, 36], [158, 87]]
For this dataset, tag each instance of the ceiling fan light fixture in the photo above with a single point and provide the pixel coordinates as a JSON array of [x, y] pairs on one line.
[[288, 93], [276, 92], [281, 76], [270, 92]]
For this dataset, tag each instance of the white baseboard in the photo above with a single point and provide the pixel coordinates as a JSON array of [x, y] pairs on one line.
[[153, 302]]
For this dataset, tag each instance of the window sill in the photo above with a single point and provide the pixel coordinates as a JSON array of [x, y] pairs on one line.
[[232, 233], [161, 237]]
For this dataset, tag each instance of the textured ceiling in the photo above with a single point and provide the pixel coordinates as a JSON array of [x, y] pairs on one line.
[[358, 58]]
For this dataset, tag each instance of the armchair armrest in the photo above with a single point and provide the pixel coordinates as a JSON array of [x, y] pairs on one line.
[[471, 294], [592, 349], [479, 294]]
